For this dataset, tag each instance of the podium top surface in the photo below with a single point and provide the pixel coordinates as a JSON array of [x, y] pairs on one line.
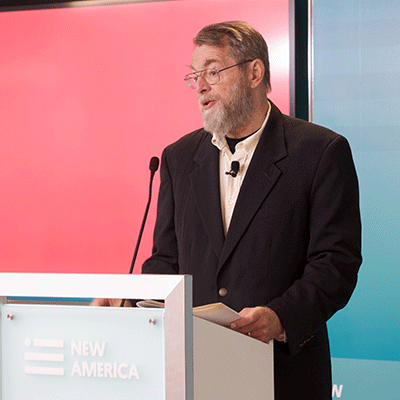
[[88, 285]]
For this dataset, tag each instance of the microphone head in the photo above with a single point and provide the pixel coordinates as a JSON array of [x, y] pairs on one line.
[[154, 162], [235, 166]]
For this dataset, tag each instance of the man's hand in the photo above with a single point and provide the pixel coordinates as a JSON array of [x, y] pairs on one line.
[[259, 322], [109, 303]]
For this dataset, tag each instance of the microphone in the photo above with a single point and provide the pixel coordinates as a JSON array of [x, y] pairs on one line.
[[234, 169], [154, 162]]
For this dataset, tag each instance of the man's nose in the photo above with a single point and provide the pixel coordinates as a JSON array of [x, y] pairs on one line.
[[202, 85]]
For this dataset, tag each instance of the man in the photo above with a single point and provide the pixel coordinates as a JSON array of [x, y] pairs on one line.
[[276, 236]]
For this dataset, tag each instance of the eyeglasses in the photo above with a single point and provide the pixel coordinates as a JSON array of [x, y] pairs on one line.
[[211, 76]]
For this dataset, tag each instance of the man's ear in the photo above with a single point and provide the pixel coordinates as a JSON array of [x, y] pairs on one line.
[[256, 71]]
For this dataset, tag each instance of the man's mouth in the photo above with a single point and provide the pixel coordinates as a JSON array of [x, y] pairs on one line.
[[207, 104]]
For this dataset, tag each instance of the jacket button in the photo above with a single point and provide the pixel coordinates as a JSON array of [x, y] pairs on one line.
[[223, 292]]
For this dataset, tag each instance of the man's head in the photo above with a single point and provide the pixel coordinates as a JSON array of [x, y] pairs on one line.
[[244, 42], [231, 76]]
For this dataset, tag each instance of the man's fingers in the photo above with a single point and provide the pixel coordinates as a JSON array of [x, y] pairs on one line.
[[100, 302], [247, 322], [109, 303], [259, 322]]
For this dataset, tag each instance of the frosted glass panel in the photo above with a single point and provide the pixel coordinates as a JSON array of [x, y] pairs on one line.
[[67, 352]]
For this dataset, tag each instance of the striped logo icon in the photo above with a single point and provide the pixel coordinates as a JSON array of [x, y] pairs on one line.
[[42, 353]]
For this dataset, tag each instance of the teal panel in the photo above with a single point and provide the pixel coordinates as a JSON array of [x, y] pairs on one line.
[[365, 379], [356, 93]]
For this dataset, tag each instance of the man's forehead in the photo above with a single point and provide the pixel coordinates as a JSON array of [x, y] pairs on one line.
[[205, 55]]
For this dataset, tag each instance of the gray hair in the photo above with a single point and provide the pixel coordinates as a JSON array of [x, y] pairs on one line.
[[244, 41]]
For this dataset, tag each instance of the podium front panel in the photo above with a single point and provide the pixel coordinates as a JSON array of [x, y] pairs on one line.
[[65, 352]]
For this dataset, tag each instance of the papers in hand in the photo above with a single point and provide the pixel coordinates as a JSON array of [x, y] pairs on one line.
[[218, 313]]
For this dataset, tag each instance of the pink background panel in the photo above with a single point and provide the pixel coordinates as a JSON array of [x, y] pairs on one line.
[[87, 96]]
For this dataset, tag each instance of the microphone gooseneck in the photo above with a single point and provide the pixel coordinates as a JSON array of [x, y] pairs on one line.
[[154, 162]]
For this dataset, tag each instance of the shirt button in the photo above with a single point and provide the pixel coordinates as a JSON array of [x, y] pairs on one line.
[[223, 292]]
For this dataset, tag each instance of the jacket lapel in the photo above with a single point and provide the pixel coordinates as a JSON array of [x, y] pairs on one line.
[[205, 185], [260, 178]]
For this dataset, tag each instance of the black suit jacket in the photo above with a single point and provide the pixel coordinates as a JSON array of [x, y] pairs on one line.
[[293, 243]]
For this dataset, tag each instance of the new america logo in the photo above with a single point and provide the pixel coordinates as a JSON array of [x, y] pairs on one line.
[[52, 352]]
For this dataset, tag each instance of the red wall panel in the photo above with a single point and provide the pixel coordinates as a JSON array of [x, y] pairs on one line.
[[87, 96]]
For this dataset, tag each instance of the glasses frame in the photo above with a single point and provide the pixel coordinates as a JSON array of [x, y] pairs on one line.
[[198, 74]]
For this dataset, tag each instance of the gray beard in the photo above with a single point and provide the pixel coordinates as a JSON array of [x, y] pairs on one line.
[[232, 114]]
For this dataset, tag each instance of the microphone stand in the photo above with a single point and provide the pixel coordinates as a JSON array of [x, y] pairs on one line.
[[154, 162]]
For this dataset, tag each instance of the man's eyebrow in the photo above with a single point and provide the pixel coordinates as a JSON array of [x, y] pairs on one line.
[[206, 63]]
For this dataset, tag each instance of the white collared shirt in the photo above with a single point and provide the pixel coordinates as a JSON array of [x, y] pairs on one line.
[[230, 186]]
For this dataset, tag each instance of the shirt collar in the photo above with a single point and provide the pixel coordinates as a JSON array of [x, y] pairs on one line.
[[248, 144]]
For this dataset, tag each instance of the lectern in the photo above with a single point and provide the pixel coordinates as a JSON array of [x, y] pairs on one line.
[[52, 350]]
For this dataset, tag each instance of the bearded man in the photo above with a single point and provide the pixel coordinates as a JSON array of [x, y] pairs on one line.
[[278, 237], [279, 242]]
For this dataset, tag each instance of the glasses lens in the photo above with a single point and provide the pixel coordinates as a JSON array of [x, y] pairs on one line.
[[211, 76], [191, 81]]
